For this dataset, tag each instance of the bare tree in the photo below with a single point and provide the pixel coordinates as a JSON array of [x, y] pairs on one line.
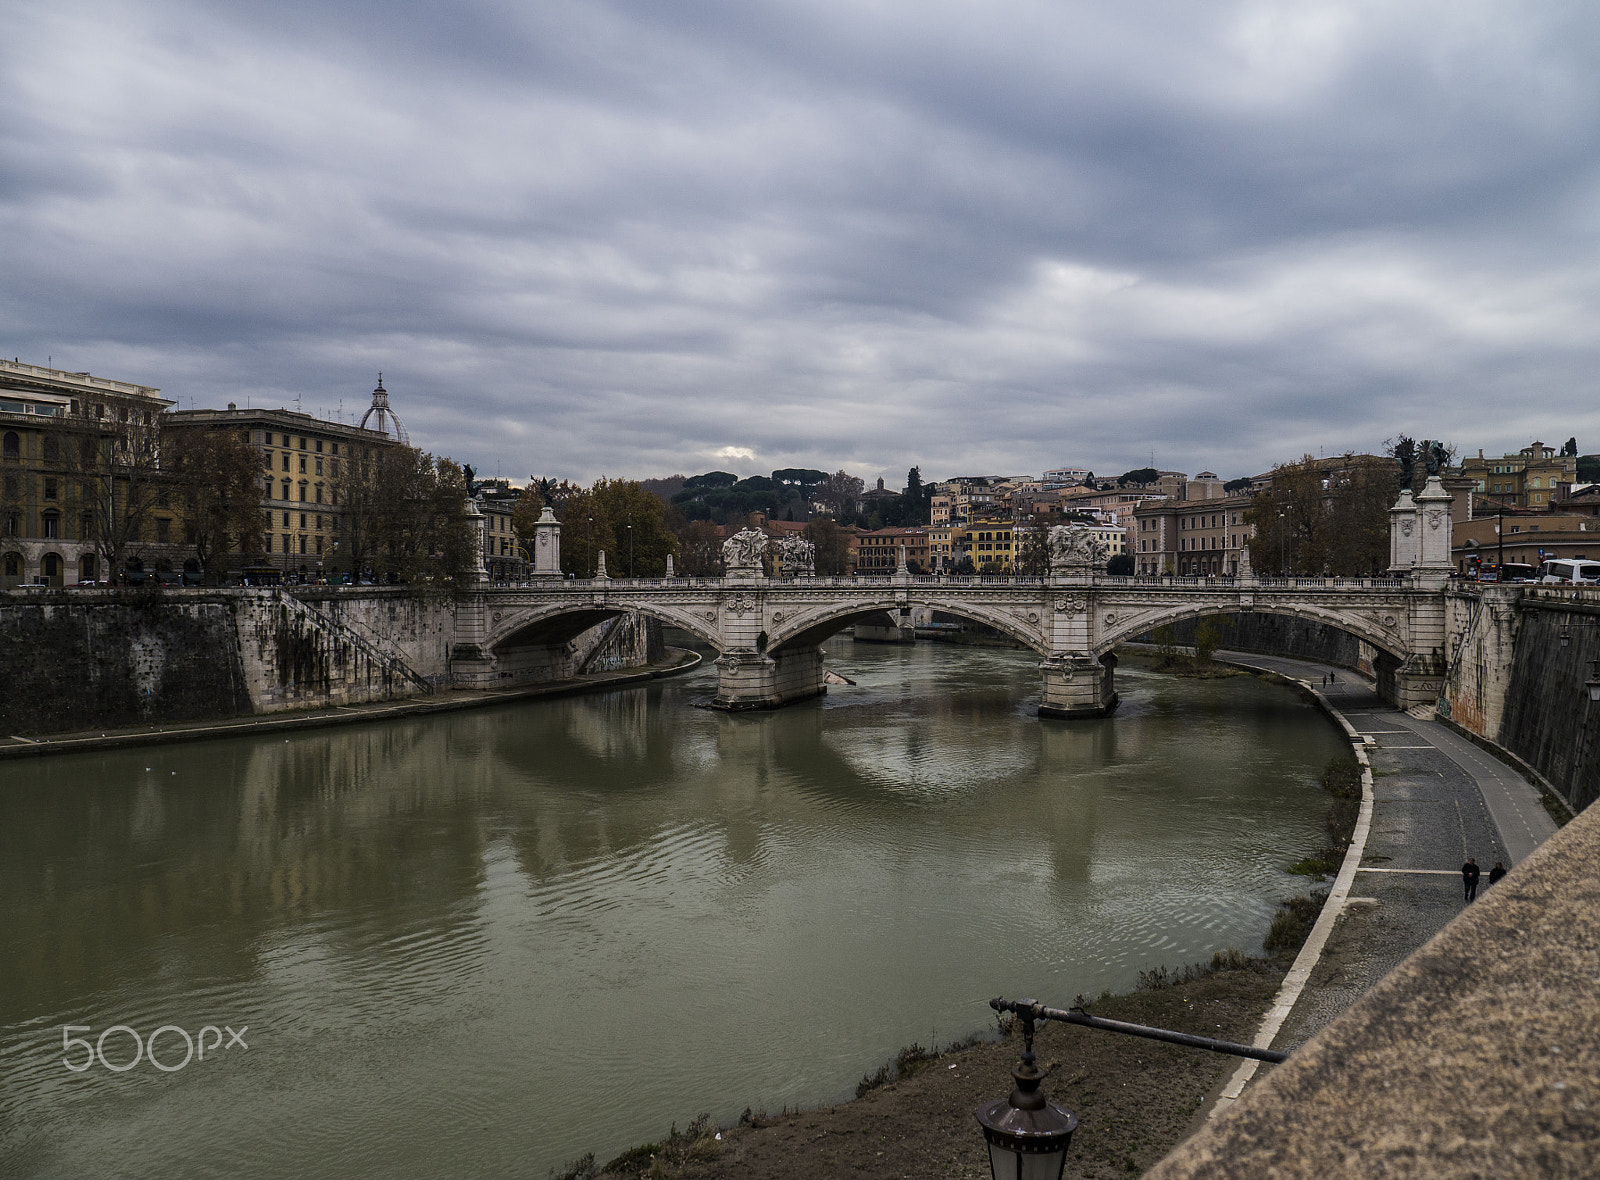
[[216, 471]]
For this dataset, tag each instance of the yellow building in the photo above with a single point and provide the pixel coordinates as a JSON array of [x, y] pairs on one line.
[[1528, 479], [303, 459]]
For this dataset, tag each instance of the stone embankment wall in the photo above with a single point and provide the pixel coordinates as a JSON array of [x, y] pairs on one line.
[[1512, 680], [105, 659], [101, 659]]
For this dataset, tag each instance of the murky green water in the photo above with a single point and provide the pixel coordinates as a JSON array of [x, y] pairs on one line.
[[486, 943]]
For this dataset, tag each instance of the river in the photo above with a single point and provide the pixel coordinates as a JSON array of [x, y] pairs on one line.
[[489, 941]]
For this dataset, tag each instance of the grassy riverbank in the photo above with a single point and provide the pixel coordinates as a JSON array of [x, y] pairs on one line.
[[1135, 1099]]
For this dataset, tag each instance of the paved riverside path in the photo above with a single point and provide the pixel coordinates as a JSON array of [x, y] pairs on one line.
[[1437, 799]]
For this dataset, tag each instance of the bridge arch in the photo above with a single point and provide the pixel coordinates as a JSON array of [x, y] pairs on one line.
[[811, 627], [1391, 643], [549, 625]]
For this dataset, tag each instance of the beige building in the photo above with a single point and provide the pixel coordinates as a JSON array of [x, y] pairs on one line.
[[303, 458], [1191, 538], [1528, 479], [62, 436]]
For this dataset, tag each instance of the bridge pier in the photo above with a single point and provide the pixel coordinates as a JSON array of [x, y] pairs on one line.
[[1078, 686], [757, 680]]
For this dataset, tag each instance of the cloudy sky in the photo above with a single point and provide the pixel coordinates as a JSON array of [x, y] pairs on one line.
[[634, 237]]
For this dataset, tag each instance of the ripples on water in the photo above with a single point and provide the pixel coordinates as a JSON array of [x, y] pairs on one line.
[[494, 940]]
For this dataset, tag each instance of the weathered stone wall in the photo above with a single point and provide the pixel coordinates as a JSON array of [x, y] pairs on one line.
[[98, 659], [1283, 635], [1547, 719]]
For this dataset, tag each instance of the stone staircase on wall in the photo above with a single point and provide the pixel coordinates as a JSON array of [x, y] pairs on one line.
[[374, 648]]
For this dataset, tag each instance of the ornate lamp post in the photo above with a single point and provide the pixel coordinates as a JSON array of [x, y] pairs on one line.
[[1028, 1135]]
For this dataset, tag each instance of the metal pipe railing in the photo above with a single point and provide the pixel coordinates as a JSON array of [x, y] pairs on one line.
[[1030, 1010]]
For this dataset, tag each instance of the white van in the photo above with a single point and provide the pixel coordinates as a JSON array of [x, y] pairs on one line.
[[1570, 571]]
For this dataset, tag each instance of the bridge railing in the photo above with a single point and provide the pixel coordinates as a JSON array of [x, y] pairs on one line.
[[929, 581]]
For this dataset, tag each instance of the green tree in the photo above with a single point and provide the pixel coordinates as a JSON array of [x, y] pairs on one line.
[[637, 528]]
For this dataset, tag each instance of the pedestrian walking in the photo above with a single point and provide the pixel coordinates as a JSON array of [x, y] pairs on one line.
[[1469, 878], [1497, 872]]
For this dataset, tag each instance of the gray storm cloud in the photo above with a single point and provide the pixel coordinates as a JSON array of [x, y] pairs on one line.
[[636, 238]]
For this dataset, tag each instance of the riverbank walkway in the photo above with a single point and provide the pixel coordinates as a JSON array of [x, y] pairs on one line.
[[1479, 1053], [1437, 799]]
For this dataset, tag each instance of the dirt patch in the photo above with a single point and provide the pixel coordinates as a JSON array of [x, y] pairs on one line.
[[1135, 1100]]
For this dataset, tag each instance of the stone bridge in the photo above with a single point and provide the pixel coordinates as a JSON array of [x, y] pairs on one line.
[[769, 630]]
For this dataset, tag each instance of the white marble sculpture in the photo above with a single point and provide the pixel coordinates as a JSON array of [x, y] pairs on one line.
[[743, 552], [1076, 550], [796, 556]]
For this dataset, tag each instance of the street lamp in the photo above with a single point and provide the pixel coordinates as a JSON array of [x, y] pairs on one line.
[[1283, 548], [1028, 1135], [630, 548], [589, 545]]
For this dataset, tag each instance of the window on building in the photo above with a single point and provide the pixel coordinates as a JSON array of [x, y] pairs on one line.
[[13, 524], [319, 446], [319, 493], [286, 462], [319, 463], [285, 495], [319, 544], [302, 464], [302, 545], [285, 520], [52, 490], [269, 488], [286, 548], [302, 443], [302, 493], [163, 530], [52, 449], [11, 448], [50, 525]]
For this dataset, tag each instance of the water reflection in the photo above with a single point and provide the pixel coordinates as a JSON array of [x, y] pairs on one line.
[[450, 936]]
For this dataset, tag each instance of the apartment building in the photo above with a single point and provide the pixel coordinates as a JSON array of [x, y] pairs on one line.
[[71, 447], [303, 460], [1191, 538], [877, 551]]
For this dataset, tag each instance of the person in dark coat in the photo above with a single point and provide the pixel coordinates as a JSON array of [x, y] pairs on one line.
[[1469, 877], [1497, 872]]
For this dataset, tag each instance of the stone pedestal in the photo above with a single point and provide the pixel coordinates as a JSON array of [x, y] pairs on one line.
[[546, 545], [1403, 539], [1434, 528], [1078, 686], [751, 680]]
